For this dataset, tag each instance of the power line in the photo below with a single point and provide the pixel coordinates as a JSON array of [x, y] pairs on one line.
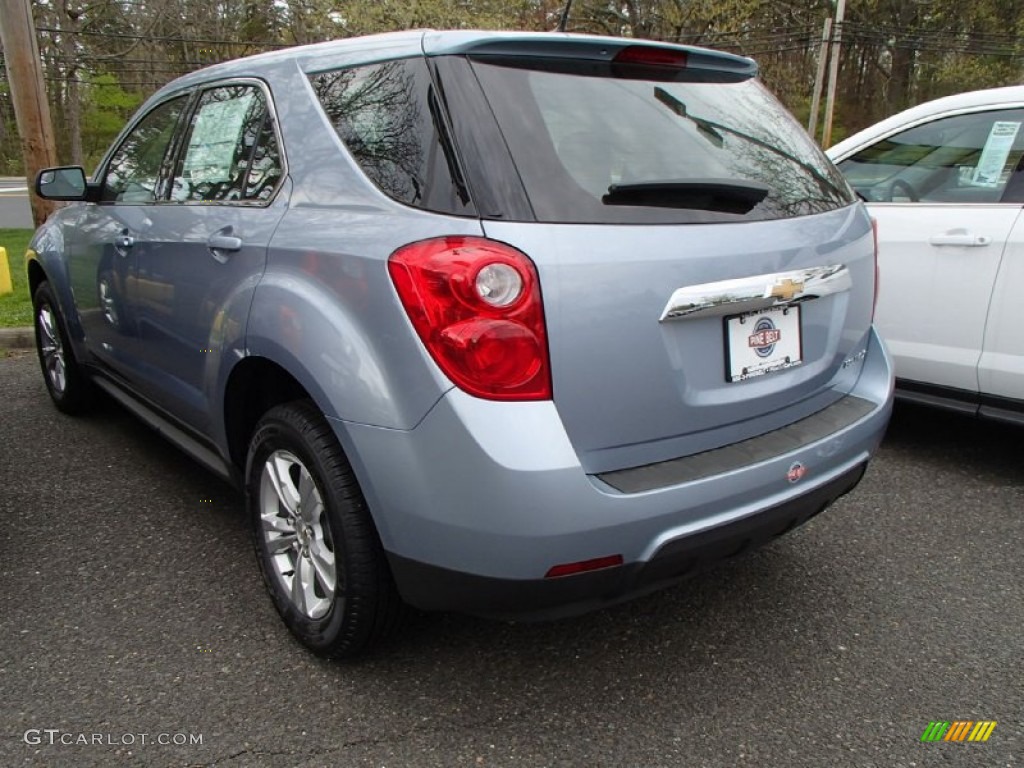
[[758, 43], [950, 34], [156, 39]]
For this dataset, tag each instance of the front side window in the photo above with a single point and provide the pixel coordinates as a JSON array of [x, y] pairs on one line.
[[968, 158], [231, 150], [389, 119], [136, 168]]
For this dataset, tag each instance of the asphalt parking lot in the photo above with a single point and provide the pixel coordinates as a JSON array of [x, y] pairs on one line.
[[132, 610]]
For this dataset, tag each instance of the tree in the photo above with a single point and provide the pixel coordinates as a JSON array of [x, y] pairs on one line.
[[103, 57]]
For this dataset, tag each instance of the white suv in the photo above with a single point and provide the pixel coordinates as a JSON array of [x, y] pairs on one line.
[[945, 181]]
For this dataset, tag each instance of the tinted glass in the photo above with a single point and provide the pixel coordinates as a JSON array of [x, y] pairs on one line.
[[266, 166], [609, 149], [389, 119], [134, 172], [231, 151], [961, 159]]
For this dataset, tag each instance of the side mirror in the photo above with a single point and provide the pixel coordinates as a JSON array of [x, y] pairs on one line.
[[66, 183]]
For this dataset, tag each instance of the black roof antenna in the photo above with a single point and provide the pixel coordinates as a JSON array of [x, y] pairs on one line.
[[565, 17]]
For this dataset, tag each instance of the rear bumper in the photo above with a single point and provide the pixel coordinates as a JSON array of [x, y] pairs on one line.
[[432, 587], [481, 499]]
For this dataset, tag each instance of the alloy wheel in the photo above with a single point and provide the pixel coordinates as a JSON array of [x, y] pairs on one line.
[[296, 534], [52, 349]]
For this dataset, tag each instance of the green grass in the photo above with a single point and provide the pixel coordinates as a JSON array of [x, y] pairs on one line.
[[16, 308]]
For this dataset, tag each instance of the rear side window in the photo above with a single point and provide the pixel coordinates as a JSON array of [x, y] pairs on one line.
[[603, 149], [389, 118]]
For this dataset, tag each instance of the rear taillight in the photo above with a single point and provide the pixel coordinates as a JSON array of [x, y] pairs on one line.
[[874, 234], [476, 305]]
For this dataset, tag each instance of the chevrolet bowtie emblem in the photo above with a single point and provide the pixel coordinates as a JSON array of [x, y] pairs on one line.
[[786, 289]]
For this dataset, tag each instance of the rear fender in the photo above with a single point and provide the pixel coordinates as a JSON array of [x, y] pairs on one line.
[[334, 323]]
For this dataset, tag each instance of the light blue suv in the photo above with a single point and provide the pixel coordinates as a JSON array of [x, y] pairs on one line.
[[513, 324]]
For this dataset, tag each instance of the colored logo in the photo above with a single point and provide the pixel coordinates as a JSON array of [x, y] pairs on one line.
[[959, 730], [786, 289], [796, 472], [764, 338]]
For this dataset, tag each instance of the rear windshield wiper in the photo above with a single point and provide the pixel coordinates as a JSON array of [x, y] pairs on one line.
[[720, 195], [713, 132]]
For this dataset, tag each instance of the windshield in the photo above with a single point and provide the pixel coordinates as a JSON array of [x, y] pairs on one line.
[[577, 139]]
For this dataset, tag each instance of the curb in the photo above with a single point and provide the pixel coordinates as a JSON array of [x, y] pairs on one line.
[[17, 338]]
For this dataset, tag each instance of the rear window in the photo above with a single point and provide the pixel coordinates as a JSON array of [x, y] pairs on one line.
[[595, 149]]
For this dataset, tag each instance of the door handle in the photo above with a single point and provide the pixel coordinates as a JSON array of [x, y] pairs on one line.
[[224, 243], [123, 242], [960, 237]]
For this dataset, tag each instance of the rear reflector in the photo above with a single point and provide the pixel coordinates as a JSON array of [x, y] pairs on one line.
[[568, 569], [651, 56]]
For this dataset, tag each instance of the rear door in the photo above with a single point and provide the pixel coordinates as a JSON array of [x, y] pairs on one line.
[[669, 211], [206, 248], [939, 192], [634, 389], [1001, 369]]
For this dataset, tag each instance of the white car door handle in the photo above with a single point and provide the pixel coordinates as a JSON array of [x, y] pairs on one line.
[[960, 237]]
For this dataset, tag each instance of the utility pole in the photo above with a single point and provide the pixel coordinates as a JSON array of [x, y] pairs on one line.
[[819, 78], [833, 75], [28, 94]]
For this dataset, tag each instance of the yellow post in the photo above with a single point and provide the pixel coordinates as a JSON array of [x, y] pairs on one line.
[[5, 274]]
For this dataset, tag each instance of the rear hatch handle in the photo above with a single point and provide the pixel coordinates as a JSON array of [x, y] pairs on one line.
[[752, 294]]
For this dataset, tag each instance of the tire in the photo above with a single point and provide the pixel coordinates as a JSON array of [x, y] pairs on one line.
[[68, 385], [345, 600]]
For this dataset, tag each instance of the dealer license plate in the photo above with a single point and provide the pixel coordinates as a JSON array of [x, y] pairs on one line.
[[757, 343]]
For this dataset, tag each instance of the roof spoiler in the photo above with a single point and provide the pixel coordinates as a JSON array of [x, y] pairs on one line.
[[555, 46]]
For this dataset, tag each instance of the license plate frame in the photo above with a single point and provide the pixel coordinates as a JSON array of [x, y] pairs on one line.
[[780, 330]]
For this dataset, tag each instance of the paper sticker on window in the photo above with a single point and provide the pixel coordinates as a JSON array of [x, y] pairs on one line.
[[215, 138], [992, 162]]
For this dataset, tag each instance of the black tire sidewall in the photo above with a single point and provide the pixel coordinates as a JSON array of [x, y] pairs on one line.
[[73, 398]]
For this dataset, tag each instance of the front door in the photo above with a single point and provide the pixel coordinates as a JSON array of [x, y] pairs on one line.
[[109, 234]]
